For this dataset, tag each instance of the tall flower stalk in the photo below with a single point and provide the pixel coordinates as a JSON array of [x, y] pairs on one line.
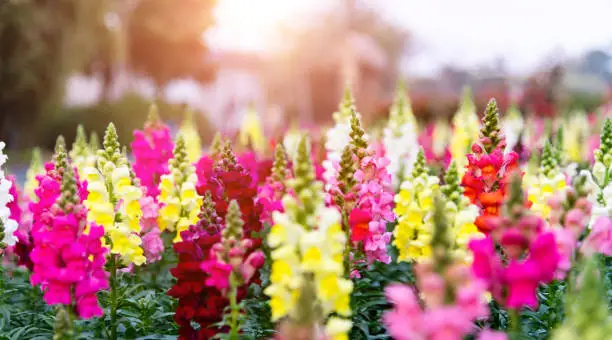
[[307, 283], [190, 134], [8, 226], [465, 130], [114, 203], [400, 137], [178, 197]]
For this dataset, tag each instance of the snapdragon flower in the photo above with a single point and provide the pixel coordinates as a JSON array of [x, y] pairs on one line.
[[400, 138], [465, 130], [178, 197], [414, 207], [307, 283], [190, 134], [114, 200], [599, 178], [8, 226]]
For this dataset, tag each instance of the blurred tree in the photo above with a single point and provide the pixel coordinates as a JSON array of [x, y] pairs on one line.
[[41, 42], [309, 85], [166, 41]]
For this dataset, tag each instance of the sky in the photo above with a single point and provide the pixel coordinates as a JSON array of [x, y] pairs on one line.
[[467, 33]]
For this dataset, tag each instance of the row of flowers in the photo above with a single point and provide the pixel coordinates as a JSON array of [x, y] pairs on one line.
[[486, 226]]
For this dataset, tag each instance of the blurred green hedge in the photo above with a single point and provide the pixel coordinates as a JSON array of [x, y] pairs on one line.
[[128, 113]]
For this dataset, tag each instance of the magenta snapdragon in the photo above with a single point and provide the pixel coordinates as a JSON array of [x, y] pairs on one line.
[[68, 260], [152, 149]]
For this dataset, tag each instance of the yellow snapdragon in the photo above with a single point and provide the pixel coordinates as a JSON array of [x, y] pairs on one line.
[[465, 130], [114, 200], [180, 201], [191, 136], [251, 131], [307, 278], [549, 180], [82, 154], [414, 204]]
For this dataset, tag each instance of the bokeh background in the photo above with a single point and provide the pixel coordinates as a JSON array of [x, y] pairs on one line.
[[65, 62]]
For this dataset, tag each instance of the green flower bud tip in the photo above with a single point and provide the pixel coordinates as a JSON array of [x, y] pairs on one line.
[[548, 162], [207, 211], [358, 141], [36, 162], [452, 184], [153, 116], [188, 118], [279, 167], [179, 153], [491, 129], [60, 156], [228, 156], [347, 169], [467, 104], [419, 164], [69, 189], [111, 140], [347, 105], [303, 168], [80, 146], [94, 141], [216, 146], [605, 147], [233, 222]]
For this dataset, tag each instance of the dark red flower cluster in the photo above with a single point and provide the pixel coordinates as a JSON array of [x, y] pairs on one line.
[[229, 180], [196, 302]]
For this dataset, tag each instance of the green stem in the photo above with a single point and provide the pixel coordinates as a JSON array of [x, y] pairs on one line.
[[349, 244], [234, 307], [113, 297], [515, 323]]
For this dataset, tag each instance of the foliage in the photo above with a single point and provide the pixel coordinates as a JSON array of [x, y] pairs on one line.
[[41, 42]]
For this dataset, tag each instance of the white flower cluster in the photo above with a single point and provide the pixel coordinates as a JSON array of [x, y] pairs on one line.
[[9, 225]]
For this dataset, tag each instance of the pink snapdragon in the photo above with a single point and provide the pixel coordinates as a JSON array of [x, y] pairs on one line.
[[438, 317], [68, 263], [532, 258], [600, 237], [570, 214], [152, 243], [152, 148], [374, 194], [229, 256]]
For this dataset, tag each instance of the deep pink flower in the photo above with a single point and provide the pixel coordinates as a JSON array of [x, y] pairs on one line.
[[67, 263], [152, 148], [219, 274], [523, 279], [488, 334]]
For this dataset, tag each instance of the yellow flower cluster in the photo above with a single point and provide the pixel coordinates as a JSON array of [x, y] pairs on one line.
[[81, 153], [465, 130], [191, 136], [414, 207], [546, 183], [462, 217], [251, 131], [181, 203], [576, 131], [114, 201], [307, 278]]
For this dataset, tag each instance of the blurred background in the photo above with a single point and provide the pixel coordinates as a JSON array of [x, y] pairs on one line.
[[65, 62]]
